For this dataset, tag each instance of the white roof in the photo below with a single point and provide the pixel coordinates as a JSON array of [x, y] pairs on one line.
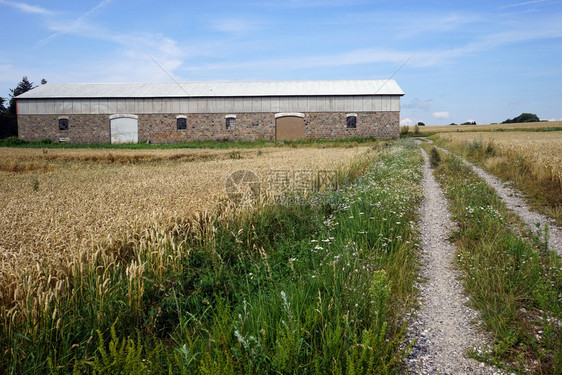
[[210, 89]]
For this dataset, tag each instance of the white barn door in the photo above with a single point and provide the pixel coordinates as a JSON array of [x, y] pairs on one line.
[[124, 129]]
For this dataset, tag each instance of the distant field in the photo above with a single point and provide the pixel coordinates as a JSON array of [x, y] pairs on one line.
[[472, 128], [542, 152]]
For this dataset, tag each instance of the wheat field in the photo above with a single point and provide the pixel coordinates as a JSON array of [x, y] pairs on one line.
[[60, 208], [540, 151], [491, 127]]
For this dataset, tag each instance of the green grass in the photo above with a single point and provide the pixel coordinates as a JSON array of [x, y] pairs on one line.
[[544, 196], [309, 288], [16, 142], [513, 280]]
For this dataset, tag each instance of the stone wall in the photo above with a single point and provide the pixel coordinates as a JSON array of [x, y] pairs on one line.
[[162, 128], [81, 128]]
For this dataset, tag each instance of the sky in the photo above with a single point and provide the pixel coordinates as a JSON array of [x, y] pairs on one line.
[[456, 61]]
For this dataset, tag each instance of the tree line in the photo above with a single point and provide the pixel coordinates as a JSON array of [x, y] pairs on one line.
[[8, 114]]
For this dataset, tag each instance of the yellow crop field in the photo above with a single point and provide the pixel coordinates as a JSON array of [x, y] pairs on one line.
[[491, 127], [540, 151], [61, 207]]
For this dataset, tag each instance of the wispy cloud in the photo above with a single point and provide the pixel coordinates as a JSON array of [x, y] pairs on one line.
[[310, 3], [417, 103], [234, 25], [441, 115], [27, 8], [75, 27], [522, 4], [406, 121]]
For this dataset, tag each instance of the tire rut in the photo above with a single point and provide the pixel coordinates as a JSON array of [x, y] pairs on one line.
[[512, 199]]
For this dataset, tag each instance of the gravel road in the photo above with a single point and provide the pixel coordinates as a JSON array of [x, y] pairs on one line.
[[443, 324], [514, 202], [512, 199]]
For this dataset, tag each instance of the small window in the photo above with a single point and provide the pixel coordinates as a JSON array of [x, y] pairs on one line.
[[351, 122], [230, 122], [63, 124], [182, 123]]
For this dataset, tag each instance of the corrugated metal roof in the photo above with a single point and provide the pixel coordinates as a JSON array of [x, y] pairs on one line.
[[213, 89]]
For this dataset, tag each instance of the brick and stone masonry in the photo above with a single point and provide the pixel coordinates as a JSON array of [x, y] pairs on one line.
[[162, 128]]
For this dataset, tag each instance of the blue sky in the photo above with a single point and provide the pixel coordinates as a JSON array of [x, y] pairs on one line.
[[482, 61]]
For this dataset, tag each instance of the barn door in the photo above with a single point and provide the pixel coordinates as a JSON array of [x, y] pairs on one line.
[[124, 129], [289, 127]]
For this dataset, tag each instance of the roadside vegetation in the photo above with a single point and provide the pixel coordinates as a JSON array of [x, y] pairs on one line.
[[315, 287], [514, 280], [226, 144], [531, 161]]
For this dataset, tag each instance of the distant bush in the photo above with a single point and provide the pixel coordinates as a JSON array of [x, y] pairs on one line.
[[12, 141], [420, 124], [469, 123], [524, 117]]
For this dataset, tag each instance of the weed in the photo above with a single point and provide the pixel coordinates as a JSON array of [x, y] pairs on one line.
[[235, 155], [434, 157], [509, 278]]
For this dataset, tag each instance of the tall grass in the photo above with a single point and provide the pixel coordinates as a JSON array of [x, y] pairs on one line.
[[308, 288], [515, 282], [531, 161]]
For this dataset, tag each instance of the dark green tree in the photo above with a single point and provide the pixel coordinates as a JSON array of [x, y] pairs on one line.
[[524, 117], [2, 107], [22, 87]]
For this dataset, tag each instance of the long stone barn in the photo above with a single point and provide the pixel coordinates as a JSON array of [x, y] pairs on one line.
[[223, 111]]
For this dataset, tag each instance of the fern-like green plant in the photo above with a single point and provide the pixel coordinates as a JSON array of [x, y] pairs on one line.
[[123, 356]]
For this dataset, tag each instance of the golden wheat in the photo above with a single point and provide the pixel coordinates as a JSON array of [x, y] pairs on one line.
[[540, 151], [472, 128], [86, 207]]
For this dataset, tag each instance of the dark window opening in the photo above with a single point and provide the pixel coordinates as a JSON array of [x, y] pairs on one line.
[[63, 124], [182, 123], [230, 122], [351, 122]]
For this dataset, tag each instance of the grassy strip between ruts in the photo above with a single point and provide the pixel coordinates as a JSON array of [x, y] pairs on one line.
[[318, 287], [538, 179], [515, 282]]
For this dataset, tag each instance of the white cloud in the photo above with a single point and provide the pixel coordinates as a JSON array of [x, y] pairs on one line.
[[522, 4], [441, 115], [78, 27], [27, 8], [235, 25], [406, 121], [418, 103]]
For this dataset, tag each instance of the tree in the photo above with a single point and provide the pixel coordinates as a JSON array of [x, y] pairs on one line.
[[2, 107], [23, 86], [524, 117], [421, 124], [43, 81]]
